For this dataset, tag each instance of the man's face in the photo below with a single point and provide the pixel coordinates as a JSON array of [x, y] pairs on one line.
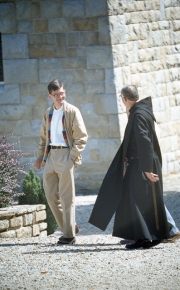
[[58, 97]]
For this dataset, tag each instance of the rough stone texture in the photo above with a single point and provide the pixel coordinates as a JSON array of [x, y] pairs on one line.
[[24, 232], [16, 222], [40, 215], [94, 48], [4, 224]]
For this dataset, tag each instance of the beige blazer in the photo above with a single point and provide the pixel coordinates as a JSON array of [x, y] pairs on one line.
[[75, 131]]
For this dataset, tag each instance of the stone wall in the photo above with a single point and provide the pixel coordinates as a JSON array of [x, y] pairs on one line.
[[23, 221], [94, 47]]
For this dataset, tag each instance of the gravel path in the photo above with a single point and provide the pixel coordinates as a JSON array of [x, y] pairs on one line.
[[96, 261]]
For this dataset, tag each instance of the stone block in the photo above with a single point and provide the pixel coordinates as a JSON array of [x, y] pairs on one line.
[[8, 234], [40, 25], [88, 38], [126, 76], [73, 63], [54, 9], [40, 215], [174, 113], [163, 25], [114, 126], [15, 112], [42, 226], [96, 8], [176, 87], [24, 232], [16, 222], [176, 25], [95, 88], [35, 230], [104, 31], [83, 75], [40, 207], [165, 144], [172, 101], [117, 29], [29, 143], [57, 25], [42, 51], [154, 26], [75, 88], [155, 4], [10, 95], [86, 24], [115, 85], [94, 155], [43, 234], [27, 219], [120, 55], [27, 10], [8, 18], [76, 51], [7, 127], [139, 6], [97, 125], [4, 224], [114, 7], [174, 143], [27, 71], [99, 57], [174, 74], [25, 26], [31, 208], [15, 46], [170, 156], [106, 104], [73, 38], [61, 45], [73, 8], [140, 17], [154, 16]]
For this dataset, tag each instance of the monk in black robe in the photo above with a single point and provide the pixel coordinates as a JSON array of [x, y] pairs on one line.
[[134, 193]]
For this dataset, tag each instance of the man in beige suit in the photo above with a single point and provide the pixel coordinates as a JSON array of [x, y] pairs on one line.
[[63, 137]]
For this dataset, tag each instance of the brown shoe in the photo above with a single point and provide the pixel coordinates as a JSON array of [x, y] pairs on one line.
[[173, 238], [66, 241], [77, 229]]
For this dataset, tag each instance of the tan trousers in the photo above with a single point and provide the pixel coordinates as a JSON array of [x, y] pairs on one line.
[[58, 183]]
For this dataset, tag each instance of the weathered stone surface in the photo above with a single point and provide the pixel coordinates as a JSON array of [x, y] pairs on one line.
[[42, 226], [114, 7], [24, 232], [61, 45], [4, 224], [51, 10], [15, 46], [10, 95], [103, 30], [73, 63], [27, 10], [40, 215], [106, 104], [73, 8], [43, 234], [8, 234], [95, 8], [14, 112], [73, 38], [27, 219], [40, 25], [42, 51], [97, 126], [88, 38], [80, 24], [40, 207], [117, 29], [25, 26], [83, 75], [8, 18], [35, 230], [57, 25], [16, 222], [27, 71]]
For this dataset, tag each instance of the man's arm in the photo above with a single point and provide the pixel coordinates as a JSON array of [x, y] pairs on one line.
[[42, 144], [79, 134]]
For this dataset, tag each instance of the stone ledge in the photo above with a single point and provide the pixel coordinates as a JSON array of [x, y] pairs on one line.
[[23, 221]]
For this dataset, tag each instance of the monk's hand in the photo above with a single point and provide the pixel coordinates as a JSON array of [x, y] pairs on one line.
[[152, 176], [37, 164]]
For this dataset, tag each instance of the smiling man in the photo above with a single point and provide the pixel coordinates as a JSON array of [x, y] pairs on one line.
[[63, 137]]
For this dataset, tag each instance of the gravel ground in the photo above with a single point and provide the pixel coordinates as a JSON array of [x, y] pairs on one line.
[[96, 261]]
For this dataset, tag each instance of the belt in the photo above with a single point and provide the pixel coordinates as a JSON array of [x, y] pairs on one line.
[[57, 147]]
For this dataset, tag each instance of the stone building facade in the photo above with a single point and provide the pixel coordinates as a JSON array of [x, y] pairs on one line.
[[94, 48]]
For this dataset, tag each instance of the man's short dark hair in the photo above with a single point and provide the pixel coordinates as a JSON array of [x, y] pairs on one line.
[[54, 85], [130, 92]]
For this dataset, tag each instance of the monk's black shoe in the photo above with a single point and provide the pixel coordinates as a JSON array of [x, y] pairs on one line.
[[150, 244], [136, 245], [66, 241]]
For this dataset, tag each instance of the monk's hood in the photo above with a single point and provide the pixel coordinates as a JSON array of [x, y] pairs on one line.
[[145, 105]]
